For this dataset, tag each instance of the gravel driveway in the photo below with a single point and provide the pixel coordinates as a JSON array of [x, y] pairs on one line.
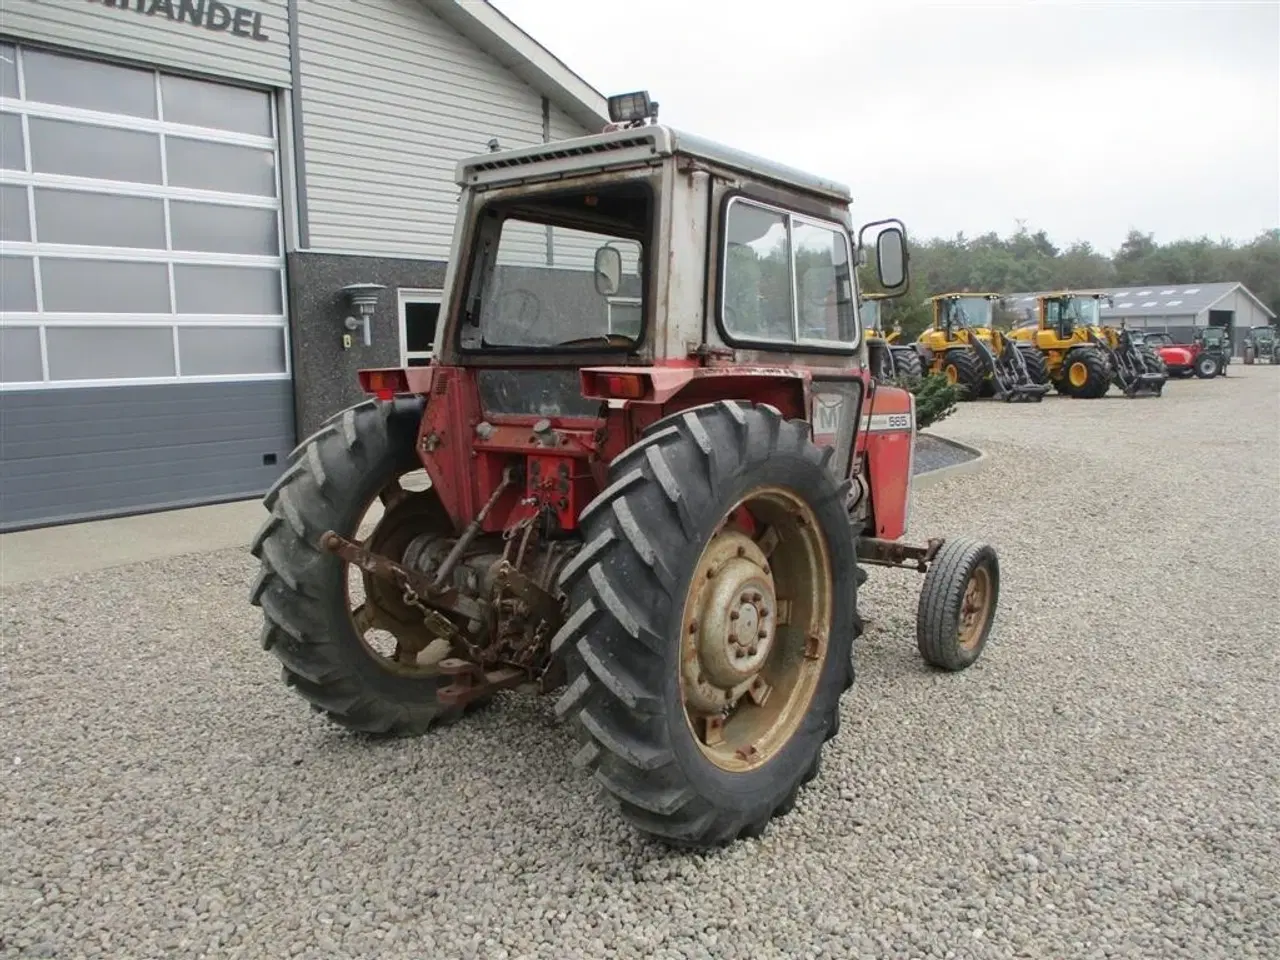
[[1104, 783]]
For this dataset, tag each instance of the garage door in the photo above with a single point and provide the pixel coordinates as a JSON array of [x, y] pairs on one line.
[[144, 360]]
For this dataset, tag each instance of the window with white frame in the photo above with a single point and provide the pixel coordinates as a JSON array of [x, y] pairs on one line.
[[419, 317], [786, 278], [141, 236], [626, 316]]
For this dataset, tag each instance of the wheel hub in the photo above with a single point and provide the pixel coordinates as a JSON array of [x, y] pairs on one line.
[[733, 624]]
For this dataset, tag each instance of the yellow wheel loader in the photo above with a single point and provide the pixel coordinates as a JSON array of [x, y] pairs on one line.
[[963, 344], [1066, 331], [890, 360]]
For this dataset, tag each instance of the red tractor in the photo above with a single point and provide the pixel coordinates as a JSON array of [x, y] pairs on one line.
[[655, 460], [1184, 360]]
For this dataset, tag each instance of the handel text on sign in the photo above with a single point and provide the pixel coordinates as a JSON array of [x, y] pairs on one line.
[[207, 14]]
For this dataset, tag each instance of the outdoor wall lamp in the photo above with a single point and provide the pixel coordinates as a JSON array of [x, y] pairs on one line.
[[363, 298]]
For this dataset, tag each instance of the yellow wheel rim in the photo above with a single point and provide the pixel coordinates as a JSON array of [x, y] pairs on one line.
[[1078, 374], [756, 622], [953, 375], [975, 608]]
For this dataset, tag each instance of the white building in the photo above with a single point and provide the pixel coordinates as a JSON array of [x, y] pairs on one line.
[[1177, 309], [188, 185]]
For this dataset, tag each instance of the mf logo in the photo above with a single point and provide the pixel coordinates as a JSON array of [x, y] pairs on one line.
[[828, 411]]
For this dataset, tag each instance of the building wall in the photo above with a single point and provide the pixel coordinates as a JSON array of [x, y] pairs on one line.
[[392, 98], [248, 41], [326, 380], [1247, 314]]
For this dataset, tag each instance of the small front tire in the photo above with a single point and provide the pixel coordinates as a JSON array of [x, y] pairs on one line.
[[1206, 367], [958, 604]]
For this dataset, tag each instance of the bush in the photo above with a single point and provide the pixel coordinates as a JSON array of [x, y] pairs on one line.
[[936, 399]]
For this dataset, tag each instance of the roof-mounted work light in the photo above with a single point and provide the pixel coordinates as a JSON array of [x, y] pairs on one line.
[[631, 110]]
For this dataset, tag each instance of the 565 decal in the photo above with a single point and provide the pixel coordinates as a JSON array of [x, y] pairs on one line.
[[890, 423]]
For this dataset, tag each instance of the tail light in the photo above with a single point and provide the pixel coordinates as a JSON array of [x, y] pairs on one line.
[[616, 386], [384, 384]]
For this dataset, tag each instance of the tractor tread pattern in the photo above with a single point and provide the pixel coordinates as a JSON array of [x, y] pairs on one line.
[[1037, 366], [970, 374], [299, 586], [614, 699], [1099, 379]]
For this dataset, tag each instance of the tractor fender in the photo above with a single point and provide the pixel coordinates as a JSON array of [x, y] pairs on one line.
[[887, 435]]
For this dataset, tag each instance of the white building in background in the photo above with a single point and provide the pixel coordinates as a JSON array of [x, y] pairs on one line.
[[186, 188]]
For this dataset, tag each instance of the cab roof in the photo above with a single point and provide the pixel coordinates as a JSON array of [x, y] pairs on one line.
[[629, 147]]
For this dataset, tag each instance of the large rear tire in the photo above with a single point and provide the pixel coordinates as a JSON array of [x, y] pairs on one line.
[[1037, 368], [907, 363], [332, 479], [964, 370], [661, 595], [1085, 373]]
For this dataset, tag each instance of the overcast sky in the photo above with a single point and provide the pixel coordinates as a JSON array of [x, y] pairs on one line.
[[1084, 119]]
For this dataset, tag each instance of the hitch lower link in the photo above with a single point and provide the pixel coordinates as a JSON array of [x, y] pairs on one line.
[[470, 680], [891, 553]]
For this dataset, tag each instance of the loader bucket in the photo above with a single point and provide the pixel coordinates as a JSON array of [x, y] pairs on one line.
[[1144, 385], [1012, 380]]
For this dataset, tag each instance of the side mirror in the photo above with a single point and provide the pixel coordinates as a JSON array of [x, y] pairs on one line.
[[608, 271], [891, 254]]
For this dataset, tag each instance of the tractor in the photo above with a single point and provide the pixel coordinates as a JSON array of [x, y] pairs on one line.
[[889, 360], [962, 343], [1178, 359], [663, 525], [1212, 351], [1262, 345]]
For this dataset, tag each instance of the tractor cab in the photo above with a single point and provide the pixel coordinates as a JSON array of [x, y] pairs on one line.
[[974, 312], [657, 468]]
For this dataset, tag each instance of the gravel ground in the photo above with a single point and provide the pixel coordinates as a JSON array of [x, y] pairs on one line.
[[1103, 783]]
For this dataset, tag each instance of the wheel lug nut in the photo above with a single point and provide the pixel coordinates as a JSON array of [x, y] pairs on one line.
[[763, 634], [734, 614], [742, 551], [693, 626], [752, 651]]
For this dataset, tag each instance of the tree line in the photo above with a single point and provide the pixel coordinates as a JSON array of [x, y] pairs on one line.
[[1030, 261]]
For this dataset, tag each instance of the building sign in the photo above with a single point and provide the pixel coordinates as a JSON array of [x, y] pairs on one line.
[[205, 14]]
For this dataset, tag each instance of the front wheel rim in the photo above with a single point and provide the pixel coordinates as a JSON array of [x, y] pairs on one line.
[[755, 629], [975, 609]]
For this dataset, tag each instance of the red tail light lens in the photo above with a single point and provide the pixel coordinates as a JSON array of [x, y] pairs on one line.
[[384, 384]]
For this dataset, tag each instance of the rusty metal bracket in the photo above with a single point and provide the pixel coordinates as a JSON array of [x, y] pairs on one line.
[[385, 568], [891, 553], [542, 604], [471, 682]]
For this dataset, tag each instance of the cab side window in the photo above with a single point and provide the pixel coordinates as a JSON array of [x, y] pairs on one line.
[[786, 278]]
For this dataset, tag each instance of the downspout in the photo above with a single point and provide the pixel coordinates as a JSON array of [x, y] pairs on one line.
[[546, 138]]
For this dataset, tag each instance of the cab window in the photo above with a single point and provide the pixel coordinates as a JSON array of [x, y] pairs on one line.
[[786, 278]]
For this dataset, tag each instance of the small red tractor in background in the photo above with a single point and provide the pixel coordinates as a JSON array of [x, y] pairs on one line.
[[655, 459], [1178, 359]]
